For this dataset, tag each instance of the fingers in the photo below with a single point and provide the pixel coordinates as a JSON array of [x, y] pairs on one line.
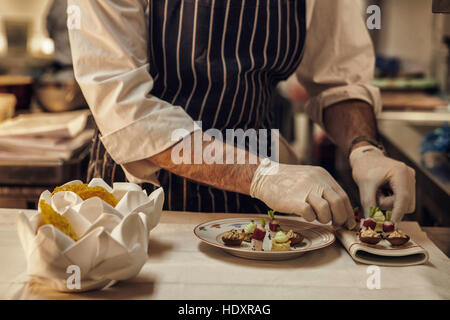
[[298, 207], [386, 203], [402, 183], [320, 207], [305, 210], [368, 197], [412, 176], [337, 206], [350, 222]]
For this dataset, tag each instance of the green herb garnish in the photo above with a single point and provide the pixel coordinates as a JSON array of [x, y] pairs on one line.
[[271, 214], [263, 222], [388, 215], [372, 211]]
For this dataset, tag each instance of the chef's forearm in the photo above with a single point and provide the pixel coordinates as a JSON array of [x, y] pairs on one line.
[[234, 177], [347, 120]]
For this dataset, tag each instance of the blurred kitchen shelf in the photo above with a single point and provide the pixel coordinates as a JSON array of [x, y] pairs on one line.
[[43, 172]]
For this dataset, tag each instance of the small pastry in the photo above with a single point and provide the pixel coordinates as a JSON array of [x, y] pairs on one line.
[[248, 231], [397, 238], [258, 236], [379, 217], [281, 242], [388, 227], [369, 236], [295, 237], [233, 238], [273, 223]]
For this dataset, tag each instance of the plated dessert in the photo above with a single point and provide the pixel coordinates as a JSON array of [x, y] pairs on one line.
[[379, 227], [301, 237], [257, 235]]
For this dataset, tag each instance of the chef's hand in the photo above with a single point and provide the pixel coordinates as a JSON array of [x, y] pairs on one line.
[[308, 191], [372, 171]]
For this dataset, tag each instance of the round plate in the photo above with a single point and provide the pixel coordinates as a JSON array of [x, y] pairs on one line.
[[316, 237]]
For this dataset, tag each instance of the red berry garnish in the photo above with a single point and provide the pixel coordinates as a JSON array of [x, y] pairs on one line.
[[259, 234], [388, 226], [273, 225], [370, 223]]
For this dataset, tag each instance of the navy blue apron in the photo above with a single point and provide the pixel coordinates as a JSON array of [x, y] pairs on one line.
[[221, 61]]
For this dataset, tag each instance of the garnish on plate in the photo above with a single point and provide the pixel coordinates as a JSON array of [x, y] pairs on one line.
[[248, 230], [273, 223], [281, 242], [258, 236]]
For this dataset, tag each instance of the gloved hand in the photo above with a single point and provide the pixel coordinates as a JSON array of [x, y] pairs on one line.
[[308, 191], [372, 170]]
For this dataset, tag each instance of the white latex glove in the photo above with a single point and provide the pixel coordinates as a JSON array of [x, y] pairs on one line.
[[371, 169], [308, 191]]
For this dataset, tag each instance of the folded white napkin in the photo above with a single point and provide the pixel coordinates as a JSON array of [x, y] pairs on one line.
[[112, 245], [382, 254], [60, 125]]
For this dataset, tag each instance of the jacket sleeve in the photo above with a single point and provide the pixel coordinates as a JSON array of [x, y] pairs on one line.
[[338, 59], [110, 58]]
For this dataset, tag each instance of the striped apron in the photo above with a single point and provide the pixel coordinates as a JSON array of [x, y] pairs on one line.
[[221, 61]]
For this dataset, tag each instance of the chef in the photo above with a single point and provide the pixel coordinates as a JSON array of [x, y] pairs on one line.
[[151, 68]]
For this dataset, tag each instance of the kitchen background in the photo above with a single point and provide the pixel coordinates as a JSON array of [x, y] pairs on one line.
[[45, 127]]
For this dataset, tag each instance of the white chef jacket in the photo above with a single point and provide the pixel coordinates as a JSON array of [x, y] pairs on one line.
[[111, 64]]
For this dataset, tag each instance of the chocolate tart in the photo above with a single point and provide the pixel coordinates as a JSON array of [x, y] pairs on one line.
[[398, 241], [233, 238], [370, 240], [297, 238]]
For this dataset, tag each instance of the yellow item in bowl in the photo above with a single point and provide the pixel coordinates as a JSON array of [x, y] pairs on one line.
[[50, 216], [85, 192]]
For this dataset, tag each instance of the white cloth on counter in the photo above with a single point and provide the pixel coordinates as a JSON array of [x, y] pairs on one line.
[[338, 64], [112, 245], [180, 266]]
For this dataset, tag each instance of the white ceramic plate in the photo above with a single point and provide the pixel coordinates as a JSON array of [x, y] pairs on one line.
[[316, 237]]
